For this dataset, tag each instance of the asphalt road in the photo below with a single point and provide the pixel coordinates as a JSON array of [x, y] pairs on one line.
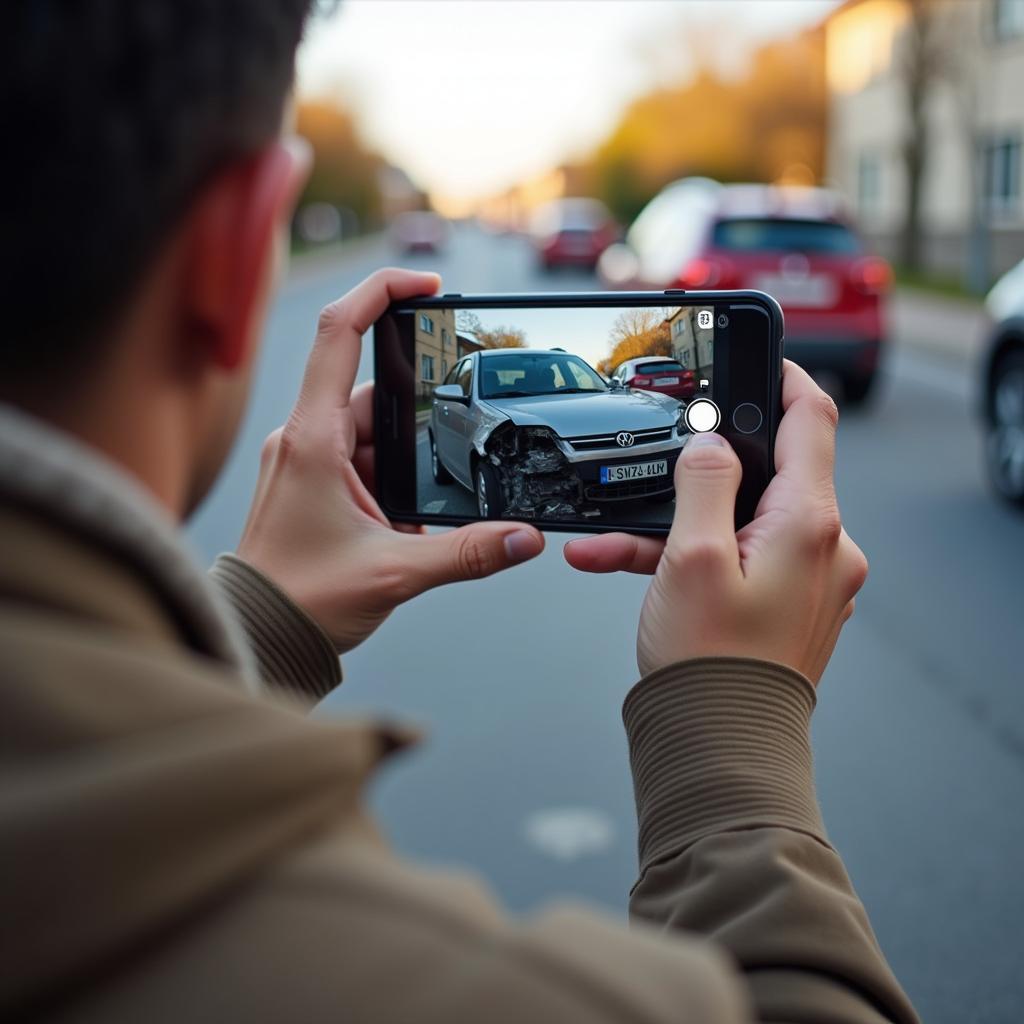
[[919, 732]]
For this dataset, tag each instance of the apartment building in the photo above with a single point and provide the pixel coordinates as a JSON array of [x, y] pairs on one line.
[[971, 208], [692, 346], [436, 349]]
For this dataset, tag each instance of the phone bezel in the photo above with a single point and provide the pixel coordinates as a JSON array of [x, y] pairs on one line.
[[391, 446]]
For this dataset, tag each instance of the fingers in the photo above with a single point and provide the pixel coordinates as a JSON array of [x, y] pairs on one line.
[[796, 383], [707, 479], [468, 553], [361, 407], [615, 552], [334, 360], [805, 446]]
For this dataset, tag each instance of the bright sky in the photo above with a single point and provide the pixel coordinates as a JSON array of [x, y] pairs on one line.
[[471, 96], [583, 331]]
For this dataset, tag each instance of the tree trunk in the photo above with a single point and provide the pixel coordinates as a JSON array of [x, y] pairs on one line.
[[918, 75]]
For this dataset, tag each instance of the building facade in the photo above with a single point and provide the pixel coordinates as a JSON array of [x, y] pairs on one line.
[[971, 214], [436, 348], [466, 344], [692, 346]]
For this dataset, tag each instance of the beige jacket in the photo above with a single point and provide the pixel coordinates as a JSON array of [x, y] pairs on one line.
[[180, 843]]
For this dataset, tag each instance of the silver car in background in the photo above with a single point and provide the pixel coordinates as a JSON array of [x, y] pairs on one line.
[[1002, 387], [541, 433]]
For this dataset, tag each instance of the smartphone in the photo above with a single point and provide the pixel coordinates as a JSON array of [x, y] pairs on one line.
[[570, 410]]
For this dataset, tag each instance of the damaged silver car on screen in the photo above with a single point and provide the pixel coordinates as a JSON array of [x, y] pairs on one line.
[[540, 434]]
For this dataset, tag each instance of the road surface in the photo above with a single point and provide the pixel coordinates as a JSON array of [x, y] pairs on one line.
[[919, 733]]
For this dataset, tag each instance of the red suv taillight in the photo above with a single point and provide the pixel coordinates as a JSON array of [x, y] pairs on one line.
[[707, 273], [640, 382], [699, 274], [871, 276]]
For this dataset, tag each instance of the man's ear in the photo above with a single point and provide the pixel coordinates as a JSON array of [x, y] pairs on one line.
[[230, 237]]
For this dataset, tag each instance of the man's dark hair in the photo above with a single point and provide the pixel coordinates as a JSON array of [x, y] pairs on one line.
[[114, 113]]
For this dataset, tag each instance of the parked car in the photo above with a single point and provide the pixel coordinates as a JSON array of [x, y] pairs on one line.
[[572, 232], [539, 433], [1002, 381], [794, 243], [659, 374], [419, 231]]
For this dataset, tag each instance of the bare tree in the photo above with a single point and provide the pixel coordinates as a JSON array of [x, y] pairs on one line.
[[924, 53], [639, 320], [490, 337]]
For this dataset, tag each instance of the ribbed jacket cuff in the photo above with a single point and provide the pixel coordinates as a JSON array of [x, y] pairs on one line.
[[719, 745], [291, 649]]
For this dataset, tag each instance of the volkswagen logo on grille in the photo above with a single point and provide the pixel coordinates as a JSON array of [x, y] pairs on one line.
[[624, 439]]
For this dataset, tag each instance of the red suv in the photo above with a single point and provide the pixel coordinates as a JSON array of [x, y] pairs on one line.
[[793, 243], [572, 232], [657, 373]]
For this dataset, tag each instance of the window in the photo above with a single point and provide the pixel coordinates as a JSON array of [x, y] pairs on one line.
[[659, 366], [450, 379], [582, 376], [775, 234], [678, 327], [445, 337], [426, 367], [536, 373], [869, 181], [1001, 174], [464, 378], [444, 367], [1007, 19], [426, 324]]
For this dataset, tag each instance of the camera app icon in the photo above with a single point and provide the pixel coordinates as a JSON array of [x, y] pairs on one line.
[[704, 319]]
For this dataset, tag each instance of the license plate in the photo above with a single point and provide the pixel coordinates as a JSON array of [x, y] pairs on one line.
[[664, 382], [813, 292], [634, 471]]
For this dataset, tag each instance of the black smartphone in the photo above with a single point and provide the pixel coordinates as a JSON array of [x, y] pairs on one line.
[[569, 410]]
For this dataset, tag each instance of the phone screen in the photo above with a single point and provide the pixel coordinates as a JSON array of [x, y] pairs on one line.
[[565, 415]]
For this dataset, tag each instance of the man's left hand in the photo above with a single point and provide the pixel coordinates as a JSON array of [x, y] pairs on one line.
[[315, 527]]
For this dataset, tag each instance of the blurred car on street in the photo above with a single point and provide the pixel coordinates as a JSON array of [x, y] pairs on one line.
[[1003, 387], [539, 433], [793, 243], [660, 374], [572, 232], [419, 231]]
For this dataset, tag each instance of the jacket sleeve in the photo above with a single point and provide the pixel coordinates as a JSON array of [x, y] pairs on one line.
[[732, 844], [292, 651]]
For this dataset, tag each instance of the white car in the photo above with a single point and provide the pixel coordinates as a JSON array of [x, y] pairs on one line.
[[1002, 384]]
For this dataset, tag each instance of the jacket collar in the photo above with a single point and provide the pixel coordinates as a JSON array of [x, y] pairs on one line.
[[87, 501]]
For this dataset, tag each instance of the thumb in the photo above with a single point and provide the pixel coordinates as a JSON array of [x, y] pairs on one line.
[[707, 479], [469, 553]]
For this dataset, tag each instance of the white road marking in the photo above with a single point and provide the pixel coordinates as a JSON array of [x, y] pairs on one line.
[[434, 507], [568, 833]]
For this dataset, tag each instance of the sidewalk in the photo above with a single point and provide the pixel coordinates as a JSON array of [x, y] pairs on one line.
[[954, 328]]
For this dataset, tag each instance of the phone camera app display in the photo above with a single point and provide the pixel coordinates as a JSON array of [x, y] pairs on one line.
[[559, 414]]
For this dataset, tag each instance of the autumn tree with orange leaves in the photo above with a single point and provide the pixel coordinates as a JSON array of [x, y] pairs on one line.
[[767, 124], [345, 172], [642, 331]]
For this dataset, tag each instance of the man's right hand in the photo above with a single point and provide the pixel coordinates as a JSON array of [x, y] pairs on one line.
[[781, 588]]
